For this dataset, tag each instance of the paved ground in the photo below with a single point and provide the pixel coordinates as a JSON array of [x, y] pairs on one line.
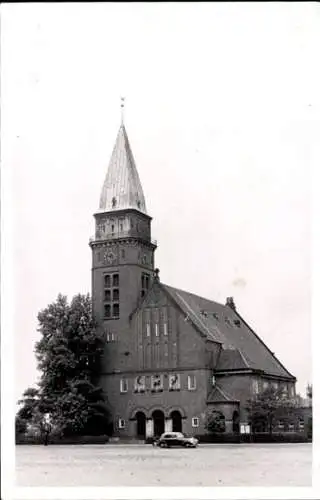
[[145, 465]]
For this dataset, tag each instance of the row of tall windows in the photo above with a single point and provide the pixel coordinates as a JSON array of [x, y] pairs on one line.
[[157, 383], [156, 329], [266, 384], [111, 295]]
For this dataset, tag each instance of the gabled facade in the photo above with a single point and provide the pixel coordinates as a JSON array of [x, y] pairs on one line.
[[171, 357]]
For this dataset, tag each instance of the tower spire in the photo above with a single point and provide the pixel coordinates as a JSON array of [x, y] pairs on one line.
[[122, 110]]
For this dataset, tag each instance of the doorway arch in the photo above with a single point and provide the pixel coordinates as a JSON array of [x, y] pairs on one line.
[[176, 421], [158, 423], [236, 422], [141, 424]]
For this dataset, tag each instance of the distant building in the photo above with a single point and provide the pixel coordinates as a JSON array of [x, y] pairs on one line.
[[171, 357]]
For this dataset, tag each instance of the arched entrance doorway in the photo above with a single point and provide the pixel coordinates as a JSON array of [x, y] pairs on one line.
[[236, 422], [158, 423], [176, 421], [141, 424]]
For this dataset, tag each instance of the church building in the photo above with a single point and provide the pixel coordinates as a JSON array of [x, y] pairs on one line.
[[171, 357]]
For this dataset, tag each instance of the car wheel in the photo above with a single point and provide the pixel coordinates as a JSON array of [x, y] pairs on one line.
[[162, 445]]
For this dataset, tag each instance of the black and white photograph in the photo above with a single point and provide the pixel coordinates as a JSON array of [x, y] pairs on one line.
[[157, 200]]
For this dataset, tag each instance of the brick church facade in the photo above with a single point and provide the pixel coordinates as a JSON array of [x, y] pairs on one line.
[[171, 357]]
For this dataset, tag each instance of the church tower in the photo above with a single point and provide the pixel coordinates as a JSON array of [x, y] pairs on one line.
[[122, 253]]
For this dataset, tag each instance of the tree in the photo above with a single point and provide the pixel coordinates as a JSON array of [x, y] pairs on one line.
[[269, 406], [216, 422], [309, 391], [69, 358]]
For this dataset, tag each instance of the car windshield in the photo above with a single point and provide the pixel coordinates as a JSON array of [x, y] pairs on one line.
[[172, 435]]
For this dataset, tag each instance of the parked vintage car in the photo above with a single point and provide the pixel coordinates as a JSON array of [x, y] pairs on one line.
[[168, 439]]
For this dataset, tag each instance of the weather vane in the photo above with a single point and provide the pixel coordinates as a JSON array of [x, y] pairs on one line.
[[122, 108]]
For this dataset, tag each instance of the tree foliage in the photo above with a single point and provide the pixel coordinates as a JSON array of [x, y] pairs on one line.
[[309, 391], [69, 358], [216, 422], [268, 407]]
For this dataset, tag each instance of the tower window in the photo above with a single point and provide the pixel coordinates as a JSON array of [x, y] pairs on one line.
[[107, 310], [111, 295], [156, 329], [165, 329], [145, 282], [123, 253]]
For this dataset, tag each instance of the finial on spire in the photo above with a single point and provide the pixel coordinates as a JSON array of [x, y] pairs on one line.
[[122, 109]]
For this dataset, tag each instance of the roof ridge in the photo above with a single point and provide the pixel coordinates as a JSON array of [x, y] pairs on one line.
[[195, 295], [224, 394], [243, 358]]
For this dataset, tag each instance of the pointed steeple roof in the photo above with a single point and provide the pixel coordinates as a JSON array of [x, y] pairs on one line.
[[122, 188]]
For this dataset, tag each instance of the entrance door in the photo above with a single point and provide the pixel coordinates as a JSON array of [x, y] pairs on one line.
[[141, 424], [236, 422], [176, 421], [158, 423]]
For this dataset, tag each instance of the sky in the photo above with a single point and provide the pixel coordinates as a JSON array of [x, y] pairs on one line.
[[221, 113]]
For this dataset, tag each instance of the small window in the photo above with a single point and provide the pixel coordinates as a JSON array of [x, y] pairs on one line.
[[255, 386], [107, 311], [121, 227], [147, 281], [115, 294], [140, 383], [301, 423], [107, 280], [116, 311], [156, 383], [112, 228], [156, 329], [107, 295], [123, 253], [192, 382], [213, 380], [215, 315], [195, 422], [165, 329], [115, 280], [122, 423], [123, 385], [265, 385], [237, 322], [174, 382], [281, 424]]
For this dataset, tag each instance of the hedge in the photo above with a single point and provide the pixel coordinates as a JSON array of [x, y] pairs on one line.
[[21, 439]]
